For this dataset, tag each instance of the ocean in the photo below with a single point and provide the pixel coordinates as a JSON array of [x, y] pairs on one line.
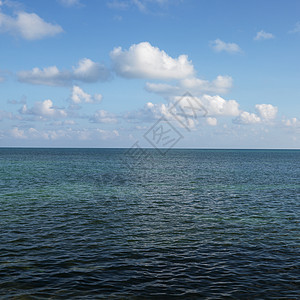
[[111, 224]]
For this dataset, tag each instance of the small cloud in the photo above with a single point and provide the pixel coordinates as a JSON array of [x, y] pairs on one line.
[[29, 26], [89, 71], [194, 85], [145, 61], [211, 121], [86, 71], [220, 46], [44, 110], [216, 105], [102, 116], [247, 118], [266, 111], [262, 35], [296, 29], [293, 122], [219, 85], [78, 96]]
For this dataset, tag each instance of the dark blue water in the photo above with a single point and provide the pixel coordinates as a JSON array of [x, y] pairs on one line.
[[97, 223]]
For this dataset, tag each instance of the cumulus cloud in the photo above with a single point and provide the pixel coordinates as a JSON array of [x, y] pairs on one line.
[[266, 111], [86, 71], [47, 76], [29, 26], [211, 121], [79, 96], [89, 71], [151, 111], [43, 110], [262, 35], [247, 118], [220, 46], [187, 110], [217, 106], [181, 112], [145, 61], [102, 116]]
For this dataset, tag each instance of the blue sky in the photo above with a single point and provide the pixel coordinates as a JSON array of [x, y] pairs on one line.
[[79, 73]]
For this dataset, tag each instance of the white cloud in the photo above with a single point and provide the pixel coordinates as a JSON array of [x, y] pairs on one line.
[[44, 110], [293, 122], [86, 71], [28, 25], [187, 110], [262, 35], [89, 71], [247, 118], [163, 89], [78, 96], [47, 76], [216, 105], [266, 111], [145, 61], [195, 85], [211, 121], [151, 112], [102, 116], [219, 46]]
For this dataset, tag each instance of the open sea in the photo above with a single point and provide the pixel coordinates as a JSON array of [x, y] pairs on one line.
[[109, 224]]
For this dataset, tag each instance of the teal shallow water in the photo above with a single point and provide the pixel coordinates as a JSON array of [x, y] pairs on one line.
[[79, 223]]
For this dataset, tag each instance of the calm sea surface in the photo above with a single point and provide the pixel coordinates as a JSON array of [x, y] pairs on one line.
[[97, 223]]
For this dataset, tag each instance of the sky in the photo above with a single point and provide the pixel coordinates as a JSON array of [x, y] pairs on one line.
[[152, 73]]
